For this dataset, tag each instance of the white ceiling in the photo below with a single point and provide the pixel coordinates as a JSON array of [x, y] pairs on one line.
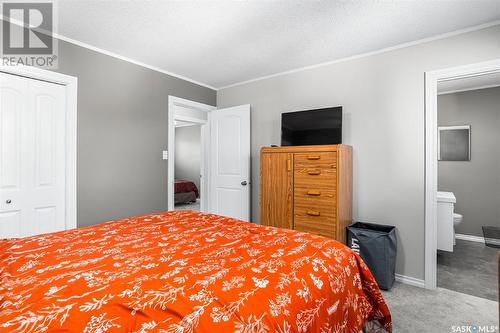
[[469, 83], [220, 43]]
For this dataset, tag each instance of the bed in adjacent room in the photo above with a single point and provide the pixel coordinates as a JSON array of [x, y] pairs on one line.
[[185, 191], [184, 271]]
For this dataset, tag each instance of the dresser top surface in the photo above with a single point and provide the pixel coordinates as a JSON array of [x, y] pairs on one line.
[[299, 149]]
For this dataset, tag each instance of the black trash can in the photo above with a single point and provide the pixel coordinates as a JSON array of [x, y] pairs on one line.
[[377, 246]]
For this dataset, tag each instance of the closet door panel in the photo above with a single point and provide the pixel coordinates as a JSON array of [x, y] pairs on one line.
[[32, 156]]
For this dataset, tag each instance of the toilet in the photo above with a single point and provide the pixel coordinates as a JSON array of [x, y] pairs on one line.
[[446, 221], [457, 219]]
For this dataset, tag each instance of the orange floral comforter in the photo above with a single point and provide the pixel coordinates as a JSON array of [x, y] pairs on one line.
[[184, 272]]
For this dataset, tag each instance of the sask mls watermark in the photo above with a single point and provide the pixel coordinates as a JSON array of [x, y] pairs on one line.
[[474, 328], [27, 34]]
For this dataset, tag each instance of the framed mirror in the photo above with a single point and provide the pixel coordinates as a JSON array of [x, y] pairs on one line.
[[454, 143]]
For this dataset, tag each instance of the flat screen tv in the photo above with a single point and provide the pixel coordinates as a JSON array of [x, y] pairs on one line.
[[312, 127]]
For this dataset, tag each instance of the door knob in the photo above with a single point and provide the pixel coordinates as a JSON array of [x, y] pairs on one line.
[[244, 183], [8, 201]]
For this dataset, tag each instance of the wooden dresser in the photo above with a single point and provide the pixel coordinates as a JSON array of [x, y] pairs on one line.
[[307, 188]]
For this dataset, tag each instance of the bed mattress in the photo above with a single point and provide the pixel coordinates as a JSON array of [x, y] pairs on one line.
[[184, 272]]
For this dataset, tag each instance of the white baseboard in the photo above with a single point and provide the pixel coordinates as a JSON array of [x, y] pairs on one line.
[[470, 238], [410, 281]]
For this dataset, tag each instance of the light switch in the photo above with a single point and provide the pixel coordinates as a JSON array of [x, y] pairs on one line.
[[165, 154]]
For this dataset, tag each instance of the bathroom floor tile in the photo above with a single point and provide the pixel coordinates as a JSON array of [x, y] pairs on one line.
[[470, 269]]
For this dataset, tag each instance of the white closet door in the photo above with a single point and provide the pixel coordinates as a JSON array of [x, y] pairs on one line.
[[32, 156]]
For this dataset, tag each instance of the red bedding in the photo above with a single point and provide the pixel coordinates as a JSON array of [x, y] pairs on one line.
[[182, 186], [184, 272]]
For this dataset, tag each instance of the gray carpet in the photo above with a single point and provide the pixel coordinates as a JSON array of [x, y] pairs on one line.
[[190, 206], [470, 269], [419, 310]]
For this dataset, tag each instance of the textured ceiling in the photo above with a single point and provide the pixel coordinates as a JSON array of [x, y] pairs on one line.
[[225, 42]]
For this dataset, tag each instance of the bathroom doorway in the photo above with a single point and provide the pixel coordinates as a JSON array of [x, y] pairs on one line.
[[467, 181], [469, 173]]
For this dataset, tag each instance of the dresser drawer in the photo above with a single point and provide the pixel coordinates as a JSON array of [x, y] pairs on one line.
[[315, 211], [325, 203], [304, 206], [324, 160], [313, 194], [315, 225], [307, 177]]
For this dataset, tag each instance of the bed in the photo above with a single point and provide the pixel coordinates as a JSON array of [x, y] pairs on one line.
[[184, 272], [185, 191]]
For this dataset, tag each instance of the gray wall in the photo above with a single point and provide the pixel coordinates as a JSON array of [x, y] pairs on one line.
[[383, 100], [187, 153], [475, 183], [122, 130]]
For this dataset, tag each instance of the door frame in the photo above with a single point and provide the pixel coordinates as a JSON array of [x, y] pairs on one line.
[[431, 154], [71, 85], [175, 107]]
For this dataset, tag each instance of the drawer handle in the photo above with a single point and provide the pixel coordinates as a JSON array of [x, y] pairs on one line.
[[313, 213], [316, 157], [314, 192], [314, 172], [289, 165]]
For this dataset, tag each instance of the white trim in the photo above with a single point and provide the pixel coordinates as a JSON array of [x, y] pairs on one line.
[[190, 119], [431, 162], [173, 102], [130, 60], [469, 89], [368, 54], [470, 238], [71, 84], [183, 125], [410, 281], [363, 55], [114, 55], [477, 239]]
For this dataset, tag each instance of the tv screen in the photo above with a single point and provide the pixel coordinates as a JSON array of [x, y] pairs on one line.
[[312, 127]]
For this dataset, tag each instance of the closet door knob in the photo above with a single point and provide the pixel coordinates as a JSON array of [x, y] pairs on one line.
[[8, 201], [244, 183]]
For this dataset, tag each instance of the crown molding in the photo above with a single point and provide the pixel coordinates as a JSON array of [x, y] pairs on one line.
[[130, 60], [368, 54], [299, 69]]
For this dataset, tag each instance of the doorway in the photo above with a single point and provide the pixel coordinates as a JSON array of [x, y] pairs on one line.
[[433, 81], [224, 178], [189, 120], [187, 166], [468, 164]]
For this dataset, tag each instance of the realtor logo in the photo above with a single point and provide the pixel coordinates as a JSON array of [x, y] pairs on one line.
[[27, 34]]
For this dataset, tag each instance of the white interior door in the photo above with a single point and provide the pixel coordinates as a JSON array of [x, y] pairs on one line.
[[230, 162], [32, 156]]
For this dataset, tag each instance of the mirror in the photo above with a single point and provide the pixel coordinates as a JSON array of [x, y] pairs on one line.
[[454, 143]]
